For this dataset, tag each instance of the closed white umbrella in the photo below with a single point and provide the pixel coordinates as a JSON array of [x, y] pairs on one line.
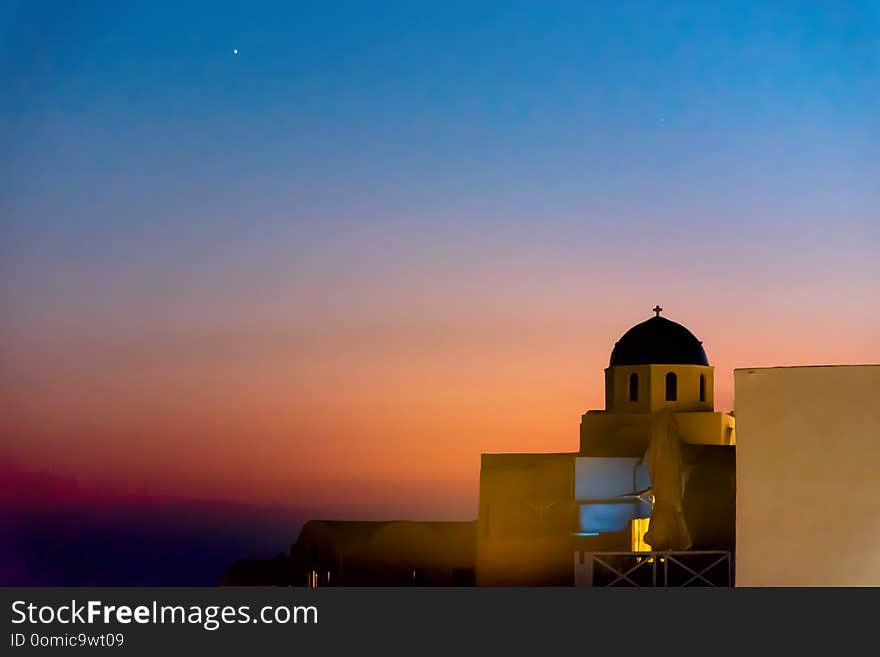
[[667, 529]]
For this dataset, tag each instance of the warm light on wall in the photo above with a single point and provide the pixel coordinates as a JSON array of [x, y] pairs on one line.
[[638, 528]]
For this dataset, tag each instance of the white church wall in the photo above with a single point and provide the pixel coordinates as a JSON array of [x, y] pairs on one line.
[[808, 463]]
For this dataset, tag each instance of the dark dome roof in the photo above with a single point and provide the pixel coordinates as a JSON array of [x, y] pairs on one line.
[[658, 341]]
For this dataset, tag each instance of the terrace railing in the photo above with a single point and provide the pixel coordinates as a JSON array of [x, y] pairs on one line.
[[654, 569]]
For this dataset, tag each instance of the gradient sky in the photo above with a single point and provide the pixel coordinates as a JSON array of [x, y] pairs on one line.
[[333, 269]]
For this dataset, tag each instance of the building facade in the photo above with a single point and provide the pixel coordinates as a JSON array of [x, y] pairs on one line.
[[537, 511], [654, 469]]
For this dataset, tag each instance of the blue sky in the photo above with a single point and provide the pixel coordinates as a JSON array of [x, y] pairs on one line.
[[411, 108]]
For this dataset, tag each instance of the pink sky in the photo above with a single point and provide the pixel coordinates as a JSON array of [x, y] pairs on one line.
[[379, 401]]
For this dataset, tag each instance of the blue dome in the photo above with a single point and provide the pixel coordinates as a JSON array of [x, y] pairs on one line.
[[658, 341]]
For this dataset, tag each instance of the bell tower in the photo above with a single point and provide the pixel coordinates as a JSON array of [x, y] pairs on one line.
[[656, 365]]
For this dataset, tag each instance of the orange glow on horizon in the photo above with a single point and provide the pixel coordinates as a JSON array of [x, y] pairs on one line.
[[361, 422]]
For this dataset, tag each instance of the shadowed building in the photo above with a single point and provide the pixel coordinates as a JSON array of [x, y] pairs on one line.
[[259, 572], [393, 553]]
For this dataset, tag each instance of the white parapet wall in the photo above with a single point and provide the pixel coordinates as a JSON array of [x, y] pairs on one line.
[[808, 476]]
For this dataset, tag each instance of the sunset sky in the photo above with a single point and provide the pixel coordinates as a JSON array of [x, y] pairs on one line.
[[331, 270]]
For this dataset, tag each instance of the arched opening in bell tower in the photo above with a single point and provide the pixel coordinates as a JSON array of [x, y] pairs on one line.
[[671, 386]]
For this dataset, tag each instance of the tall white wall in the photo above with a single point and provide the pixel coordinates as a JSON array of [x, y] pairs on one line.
[[808, 476]]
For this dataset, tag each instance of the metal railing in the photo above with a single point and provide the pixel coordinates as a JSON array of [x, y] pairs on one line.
[[653, 569]]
